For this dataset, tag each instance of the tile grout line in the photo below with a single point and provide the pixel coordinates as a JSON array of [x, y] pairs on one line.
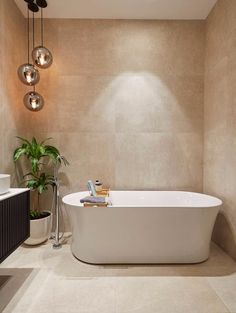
[[218, 296]]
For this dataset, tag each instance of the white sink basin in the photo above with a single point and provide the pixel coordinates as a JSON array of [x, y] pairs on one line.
[[4, 183]]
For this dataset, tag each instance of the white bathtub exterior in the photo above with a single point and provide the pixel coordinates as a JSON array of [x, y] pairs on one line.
[[143, 227]]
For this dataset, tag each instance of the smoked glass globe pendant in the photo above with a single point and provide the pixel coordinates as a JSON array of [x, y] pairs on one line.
[[42, 57], [28, 74], [33, 101]]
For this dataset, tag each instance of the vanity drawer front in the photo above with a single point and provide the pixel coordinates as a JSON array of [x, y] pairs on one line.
[[14, 223]]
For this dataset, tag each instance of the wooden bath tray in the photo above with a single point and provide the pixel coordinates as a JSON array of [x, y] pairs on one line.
[[95, 204]]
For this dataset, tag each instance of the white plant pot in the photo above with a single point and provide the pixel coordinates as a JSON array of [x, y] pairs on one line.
[[39, 230]]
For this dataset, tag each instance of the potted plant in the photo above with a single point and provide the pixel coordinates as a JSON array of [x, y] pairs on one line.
[[38, 181]]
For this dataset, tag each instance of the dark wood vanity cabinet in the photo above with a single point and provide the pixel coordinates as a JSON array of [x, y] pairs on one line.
[[14, 223]]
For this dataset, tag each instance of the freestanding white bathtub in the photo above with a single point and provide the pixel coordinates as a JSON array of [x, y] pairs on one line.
[[143, 227]]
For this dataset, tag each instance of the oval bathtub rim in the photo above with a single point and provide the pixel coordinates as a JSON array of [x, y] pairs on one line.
[[218, 202]]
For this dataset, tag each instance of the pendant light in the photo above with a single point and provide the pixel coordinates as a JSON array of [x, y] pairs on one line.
[[41, 56], [33, 101], [27, 72]]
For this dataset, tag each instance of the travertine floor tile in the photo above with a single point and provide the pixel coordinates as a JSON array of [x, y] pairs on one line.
[[60, 283], [225, 287], [167, 295]]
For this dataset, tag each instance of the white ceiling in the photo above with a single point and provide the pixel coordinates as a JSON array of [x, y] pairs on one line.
[[126, 9]]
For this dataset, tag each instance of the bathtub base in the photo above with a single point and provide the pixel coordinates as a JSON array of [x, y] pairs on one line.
[[142, 236]]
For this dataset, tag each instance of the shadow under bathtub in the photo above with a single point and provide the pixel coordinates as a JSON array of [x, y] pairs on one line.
[[218, 264]]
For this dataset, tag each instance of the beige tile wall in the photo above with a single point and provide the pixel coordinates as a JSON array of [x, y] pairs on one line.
[[220, 116], [124, 102], [12, 52], [1, 89]]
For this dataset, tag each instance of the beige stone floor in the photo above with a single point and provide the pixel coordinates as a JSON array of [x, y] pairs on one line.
[[59, 284]]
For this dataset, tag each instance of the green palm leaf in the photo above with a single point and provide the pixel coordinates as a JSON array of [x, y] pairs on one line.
[[35, 152], [19, 152], [24, 140]]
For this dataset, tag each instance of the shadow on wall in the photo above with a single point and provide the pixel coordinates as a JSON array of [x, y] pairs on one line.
[[223, 234]]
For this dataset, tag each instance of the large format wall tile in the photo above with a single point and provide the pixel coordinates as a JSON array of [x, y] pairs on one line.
[[219, 117], [12, 54], [143, 163], [113, 47], [124, 102], [1, 89]]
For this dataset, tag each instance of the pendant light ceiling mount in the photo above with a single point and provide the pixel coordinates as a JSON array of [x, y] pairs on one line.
[[34, 6], [42, 3]]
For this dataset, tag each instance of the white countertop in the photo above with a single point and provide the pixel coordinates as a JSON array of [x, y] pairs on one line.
[[12, 192]]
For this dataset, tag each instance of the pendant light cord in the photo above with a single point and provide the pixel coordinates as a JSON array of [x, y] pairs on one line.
[[33, 33], [42, 26], [33, 41], [28, 26]]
